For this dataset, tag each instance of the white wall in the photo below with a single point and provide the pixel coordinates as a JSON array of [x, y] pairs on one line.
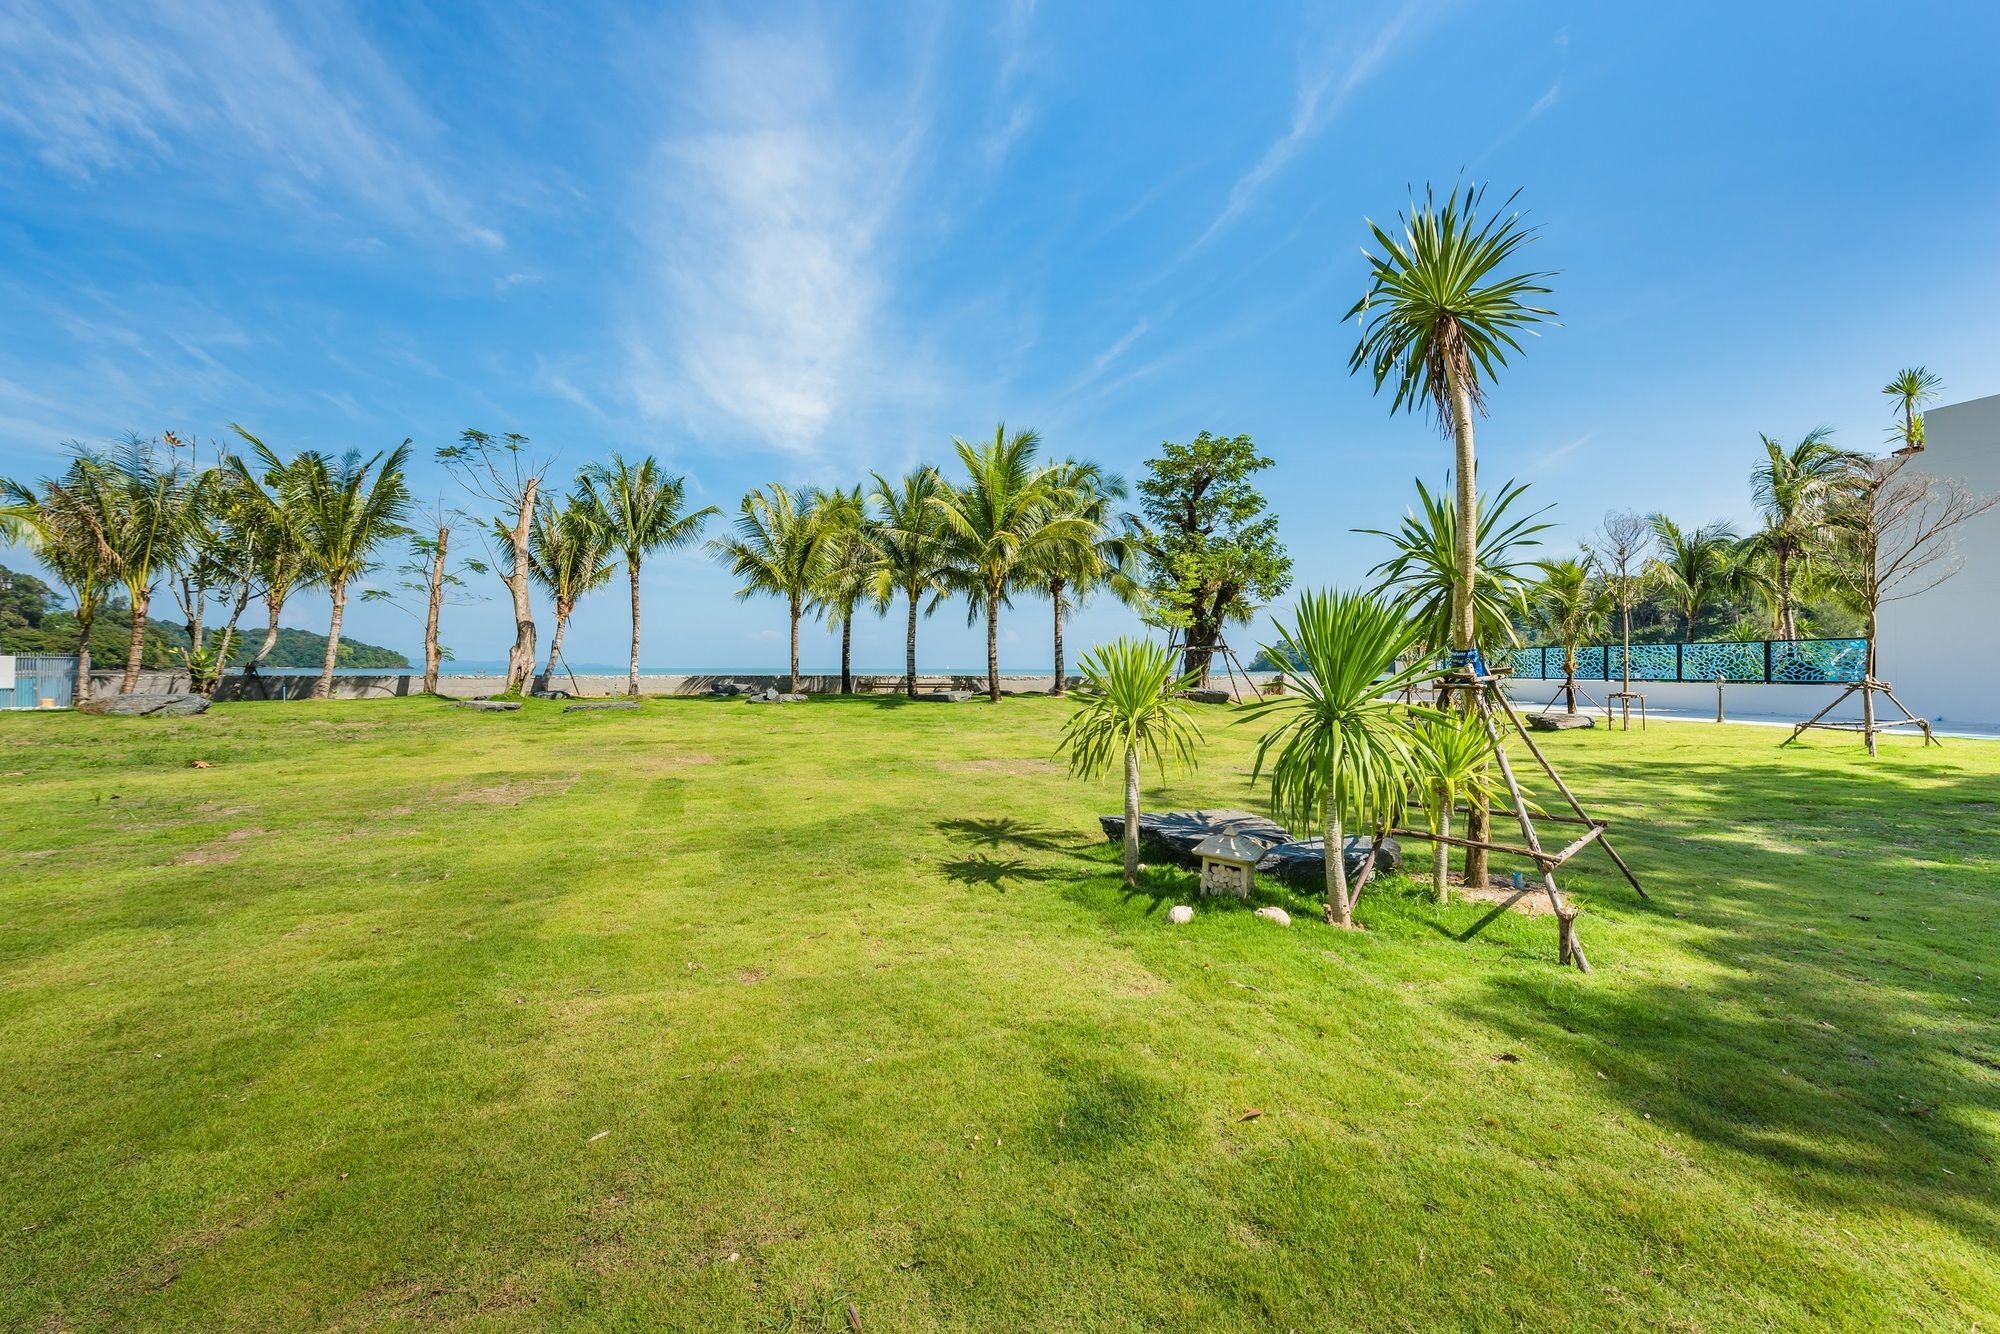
[[1939, 649]]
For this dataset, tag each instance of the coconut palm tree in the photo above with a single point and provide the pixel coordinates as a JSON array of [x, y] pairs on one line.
[[1439, 322], [1571, 608], [914, 555], [1793, 487], [569, 554], [64, 520], [1453, 757], [1344, 752], [849, 578], [1130, 711], [338, 510], [281, 562], [1422, 573], [645, 510], [1072, 572], [1694, 565], [1912, 388], [780, 549], [1004, 522], [155, 503]]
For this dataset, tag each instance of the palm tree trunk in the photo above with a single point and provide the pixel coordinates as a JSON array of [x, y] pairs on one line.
[[1464, 624], [1786, 629], [555, 650], [275, 605], [910, 650], [1056, 597], [795, 643], [433, 611], [847, 654], [632, 675], [324, 686], [1569, 678], [1339, 907], [1441, 853], [85, 619], [992, 645], [137, 644], [1131, 815], [1868, 686], [521, 657]]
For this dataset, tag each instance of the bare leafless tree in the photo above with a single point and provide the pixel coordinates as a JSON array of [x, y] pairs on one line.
[[1618, 551], [499, 470]]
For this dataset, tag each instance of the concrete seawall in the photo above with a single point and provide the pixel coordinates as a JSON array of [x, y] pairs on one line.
[[389, 685]]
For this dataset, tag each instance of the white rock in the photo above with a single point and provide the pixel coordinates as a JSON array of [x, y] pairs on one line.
[[1278, 915], [1180, 914]]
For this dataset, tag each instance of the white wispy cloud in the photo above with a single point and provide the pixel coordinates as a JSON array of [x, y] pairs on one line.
[[1321, 94], [767, 208], [93, 88]]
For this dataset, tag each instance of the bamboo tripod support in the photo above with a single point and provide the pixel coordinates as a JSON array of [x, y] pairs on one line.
[[1870, 726], [1485, 690]]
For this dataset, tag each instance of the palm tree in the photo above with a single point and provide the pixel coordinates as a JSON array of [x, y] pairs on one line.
[[1130, 710], [1453, 755], [1912, 388], [645, 510], [338, 511], [280, 559], [1422, 574], [569, 554], [849, 576], [153, 510], [914, 556], [65, 522], [1074, 571], [1694, 566], [1437, 321], [1345, 752], [1792, 487], [779, 549], [1570, 607], [1002, 524]]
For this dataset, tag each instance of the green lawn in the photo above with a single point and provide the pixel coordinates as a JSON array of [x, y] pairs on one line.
[[723, 1015]]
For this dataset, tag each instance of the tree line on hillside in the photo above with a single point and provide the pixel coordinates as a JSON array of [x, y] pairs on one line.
[[246, 525]]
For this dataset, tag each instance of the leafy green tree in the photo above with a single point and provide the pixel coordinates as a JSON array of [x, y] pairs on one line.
[[1344, 751], [1423, 577], [1074, 572], [1912, 389], [1130, 710], [1452, 755], [1004, 522], [279, 557], [569, 554], [1437, 323], [1569, 607], [1793, 488], [646, 511], [849, 577], [915, 557], [1208, 544], [338, 510], [779, 549], [1696, 566]]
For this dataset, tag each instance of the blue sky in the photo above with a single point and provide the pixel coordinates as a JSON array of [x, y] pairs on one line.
[[769, 243]]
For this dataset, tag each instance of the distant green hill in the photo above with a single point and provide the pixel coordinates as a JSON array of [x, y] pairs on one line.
[[33, 620]]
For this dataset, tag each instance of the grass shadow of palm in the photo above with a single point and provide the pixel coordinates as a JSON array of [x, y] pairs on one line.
[[1006, 832]]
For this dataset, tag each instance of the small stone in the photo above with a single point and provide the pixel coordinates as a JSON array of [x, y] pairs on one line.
[[1275, 914], [1180, 914]]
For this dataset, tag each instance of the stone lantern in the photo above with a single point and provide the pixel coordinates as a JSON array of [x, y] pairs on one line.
[[1229, 864]]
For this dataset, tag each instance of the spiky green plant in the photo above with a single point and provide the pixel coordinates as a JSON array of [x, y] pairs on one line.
[[1452, 764], [1130, 710], [1423, 577], [1343, 751], [1912, 389]]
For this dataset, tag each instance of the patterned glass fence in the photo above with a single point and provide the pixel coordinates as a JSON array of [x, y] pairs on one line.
[[1767, 661]]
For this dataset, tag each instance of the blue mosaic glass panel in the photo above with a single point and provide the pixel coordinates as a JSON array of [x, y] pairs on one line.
[[1589, 663], [1733, 661], [1818, 661], [1650, 662]]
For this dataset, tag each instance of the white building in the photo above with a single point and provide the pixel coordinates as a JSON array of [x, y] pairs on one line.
[[1939, 648]]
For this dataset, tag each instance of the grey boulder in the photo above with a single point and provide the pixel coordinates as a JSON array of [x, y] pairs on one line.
[[167, 705], [1174, 835], [603, 706], [774, 697], [726, 688], [490, 705], [946, 696], [1302, 864], [1206, 696], [1561, 722]]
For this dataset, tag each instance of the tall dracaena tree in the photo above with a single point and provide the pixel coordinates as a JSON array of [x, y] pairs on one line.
[[1075, 571], [1002, 523], [1343, 753], [915, 558], [645, 509], [1912, 389], [1422, 574], [339, 510], [778, 549], [1453, 764], [848, 579], [65, 520], [155, 505], [569, 554], [1793, 488], [1437, 322], [1695, 566], [1569, 606], [1130, 712]]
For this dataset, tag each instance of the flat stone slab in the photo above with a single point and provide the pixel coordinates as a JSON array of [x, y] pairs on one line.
[[1302, 864], [603, 706], [163, 705], [1561, 722], [1174, 835], [490, 705], [774, 697], [946, 696]]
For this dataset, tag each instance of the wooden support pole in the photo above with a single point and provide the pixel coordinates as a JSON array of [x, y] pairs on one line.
[[1568, 796]]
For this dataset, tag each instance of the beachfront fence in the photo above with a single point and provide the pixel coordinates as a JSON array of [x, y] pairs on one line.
[[1791, 662]]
